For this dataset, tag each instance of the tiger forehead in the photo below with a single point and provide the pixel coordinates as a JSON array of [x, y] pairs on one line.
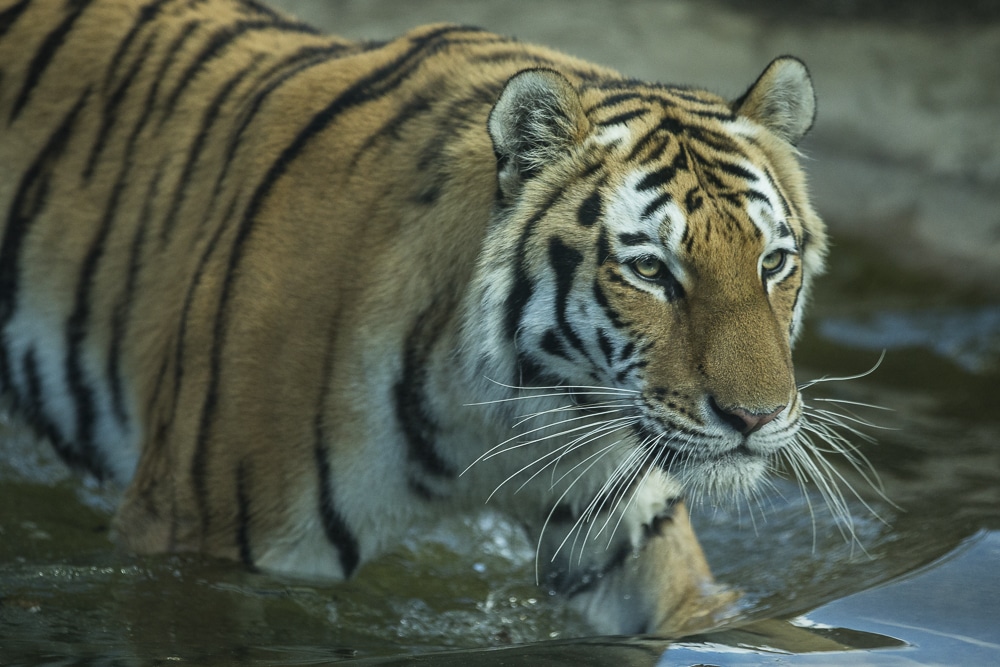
[[679, 179]]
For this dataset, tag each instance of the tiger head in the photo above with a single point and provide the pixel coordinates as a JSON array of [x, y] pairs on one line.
[[651, 254]]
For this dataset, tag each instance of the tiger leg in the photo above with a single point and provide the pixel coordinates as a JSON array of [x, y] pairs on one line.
[[653, 580], [663, 587]]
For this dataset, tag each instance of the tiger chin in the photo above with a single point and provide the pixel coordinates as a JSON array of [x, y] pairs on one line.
[[301, 294]]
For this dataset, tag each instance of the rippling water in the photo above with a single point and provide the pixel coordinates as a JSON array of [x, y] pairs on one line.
[[914, 585]]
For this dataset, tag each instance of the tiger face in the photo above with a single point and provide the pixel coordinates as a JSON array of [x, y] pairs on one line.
[[663, 251]]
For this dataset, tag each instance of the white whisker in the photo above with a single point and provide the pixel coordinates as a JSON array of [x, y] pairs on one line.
[[857, 403], [838, 417], [615, 480], [555, 505], [602, 430], [502, 448], [635, 492], [590, 409], [845, 378], [599, 430]]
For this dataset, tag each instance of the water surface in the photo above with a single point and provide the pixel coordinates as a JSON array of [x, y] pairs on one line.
[[910, 579]]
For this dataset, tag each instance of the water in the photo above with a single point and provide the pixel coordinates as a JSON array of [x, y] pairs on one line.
[[910, 581]]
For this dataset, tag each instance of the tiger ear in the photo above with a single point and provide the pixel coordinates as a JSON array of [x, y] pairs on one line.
[[537, 118], [782, 99]]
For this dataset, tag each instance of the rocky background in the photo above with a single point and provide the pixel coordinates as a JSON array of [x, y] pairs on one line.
[[905, 154]]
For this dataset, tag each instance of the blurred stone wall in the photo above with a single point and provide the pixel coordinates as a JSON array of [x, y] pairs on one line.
[[906, 150]]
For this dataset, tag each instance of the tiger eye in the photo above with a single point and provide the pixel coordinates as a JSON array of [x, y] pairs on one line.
[[648, 267], [773, 261]]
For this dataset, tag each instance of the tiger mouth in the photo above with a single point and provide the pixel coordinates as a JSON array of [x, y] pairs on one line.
[[673, 459]]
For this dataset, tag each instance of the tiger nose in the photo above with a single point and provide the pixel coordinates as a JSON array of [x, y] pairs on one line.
[[742, 420]]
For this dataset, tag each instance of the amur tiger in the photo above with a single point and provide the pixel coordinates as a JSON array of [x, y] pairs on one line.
[[301, 294]]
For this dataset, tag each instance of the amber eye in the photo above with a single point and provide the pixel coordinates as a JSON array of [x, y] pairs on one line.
[[772, 262], [648, 267]]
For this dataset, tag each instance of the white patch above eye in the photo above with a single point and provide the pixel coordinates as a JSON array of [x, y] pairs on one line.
[[642, 223], [612, 134], [766, 211]]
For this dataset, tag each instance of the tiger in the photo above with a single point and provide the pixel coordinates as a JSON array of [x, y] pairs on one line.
[[585, 292]]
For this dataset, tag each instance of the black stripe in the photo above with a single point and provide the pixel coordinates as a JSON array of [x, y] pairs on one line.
[[523, 287], [602, 301], [146, 14], [215, 46], [714, 114], [420, 103], [624, 373], [34, 408], [159, 440], [623, 117], [667, 127], [28, 202], [511, 52], [78, 325], [119, 322], [664, 175], [472, 105], [795, 302], [257, 9], [31, 402], [688, 240], [613, 100], [9, 16], [413, 414], [243, 516], [125, 176], [552, 345], [79, 321], [786, 206], [211, 114], [201, 454], [688, 95], [120, 314], [657, 179], [591, 209], [712, 179], [6, 375], [655, 150], [43, 57], [334, 524], [661, 200], [629, 239], [693, 200], [109, 114], [297, 63], [123, 309], [380, 82], [735, 170], [531, 374], [717, 140], [607, 347], [564, 261]]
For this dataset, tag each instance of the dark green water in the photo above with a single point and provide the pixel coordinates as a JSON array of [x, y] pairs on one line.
[[916, 584]]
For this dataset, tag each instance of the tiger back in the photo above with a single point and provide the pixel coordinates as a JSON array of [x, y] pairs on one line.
[[294, 291]]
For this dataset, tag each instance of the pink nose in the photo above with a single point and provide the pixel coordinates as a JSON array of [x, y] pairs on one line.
[[744, 421]]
